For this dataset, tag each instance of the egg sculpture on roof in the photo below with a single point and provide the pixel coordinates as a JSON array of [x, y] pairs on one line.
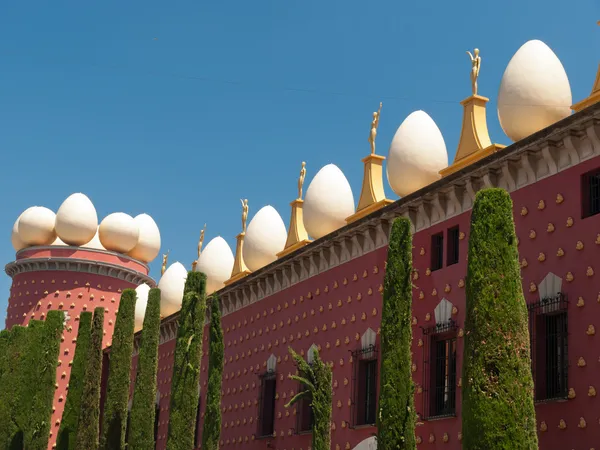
[[118, 232], [76, 220], [328, 202], [534, 91], [265, 237], [417, 154], [216, 262], [58, 241], [148, 244], [140, 305], [171, 287], [17, 243], [36, 226], [95, 242]]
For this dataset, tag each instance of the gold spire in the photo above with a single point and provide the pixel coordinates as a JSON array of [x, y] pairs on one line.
[[474, 143], [165, 260], [372, 195], [594, 97], [239, 266], [297, 235]]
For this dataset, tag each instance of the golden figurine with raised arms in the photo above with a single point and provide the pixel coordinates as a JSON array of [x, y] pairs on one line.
[[475, 68], [374, 125]]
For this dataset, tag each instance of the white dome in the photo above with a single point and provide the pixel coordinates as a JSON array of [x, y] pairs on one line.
[[76, 220], [58, 241], [216, 262], [417, 154], [328, 202], [36, 226], [534, 92], [140, 305], [95, 242], [265, 237], [17, 243], [118, 232], [148, 244], [171, 289]]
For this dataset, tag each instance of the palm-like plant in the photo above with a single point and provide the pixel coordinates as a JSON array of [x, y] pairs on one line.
[[316, 378]]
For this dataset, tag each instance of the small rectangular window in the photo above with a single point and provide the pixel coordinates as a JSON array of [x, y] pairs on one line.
[[365, 386], [549, 347], [437, 251], [267, 405], [305, 414], [590, 193], [453, 240]]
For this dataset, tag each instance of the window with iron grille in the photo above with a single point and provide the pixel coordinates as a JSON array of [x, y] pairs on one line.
[[548, 333], [266, 418], [304, 418], [452, 252], [437, 251], [590, 193], [364, 405], [439, 370]]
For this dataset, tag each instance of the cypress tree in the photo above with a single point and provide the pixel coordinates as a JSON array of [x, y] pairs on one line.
[[186, 369], [119, 373], [211, 432], [498, 409], [141, 432], [43, 356], [397, 417], [88, 425], [316, 377], [70, 417], [4, 338]]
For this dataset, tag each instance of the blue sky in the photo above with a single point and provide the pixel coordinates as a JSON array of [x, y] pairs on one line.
[[179, 109]]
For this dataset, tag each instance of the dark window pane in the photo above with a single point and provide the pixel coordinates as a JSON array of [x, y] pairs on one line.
[[443, 378], [453, 240], [437, 251], [267, 417]]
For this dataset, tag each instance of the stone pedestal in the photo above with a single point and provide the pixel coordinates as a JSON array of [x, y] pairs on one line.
[[372, 195], [297, 235], [239, 267]]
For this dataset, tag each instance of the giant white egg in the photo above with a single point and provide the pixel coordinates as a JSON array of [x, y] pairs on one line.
[[36, 226], [118, 232], [534, 92], [265, 237], [140, 305], [148, 244], [328, 202], [76, 220], [95, 242], [17, 243], [171, 287], [216, 262], [417, 154]]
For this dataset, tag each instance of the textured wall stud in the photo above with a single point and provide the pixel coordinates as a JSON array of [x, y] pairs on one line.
[[349, 299], [582, 423], [461, 283], [543, 426], [559, 199], [461, 332], [343, 322], [419, 440], [570, 222], [581, 362], [420, 343], [431, 438], [571, 395], [375, 269], [524, 211], [591, 391], [569, 277], [550, 228], [421, 295], [524, 263], [532, 234], [541, 257], [461, 236], [560, 252], [591, 330], [414, 321], [532, 287], [335, 285], [562, 425], [598, 238], [541, 205], [447, 288], [434, 292], [579, 245], [445, 438], [422, 251], [370, 291], [454, 310], [414, 367], [589, 272], [380, 288], [358, 297], [459, 436], [345, 281], [580, 302], [428, 271], [415, 275], [427, 317], [374, 312]]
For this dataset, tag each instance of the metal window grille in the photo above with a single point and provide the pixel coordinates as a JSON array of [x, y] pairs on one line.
[[439, 370], [304, 418], [591, 193], [453, 240], [364, 387], [548, 333], [437, 251], [266, 415]]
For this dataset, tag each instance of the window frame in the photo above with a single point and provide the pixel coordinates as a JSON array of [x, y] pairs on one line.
[[264, 378], [361, 358], [453, 246], [586, 194], [437, 251], [303, 404]]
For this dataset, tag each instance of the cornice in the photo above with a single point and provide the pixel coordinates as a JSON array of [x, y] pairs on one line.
[[541, 155]]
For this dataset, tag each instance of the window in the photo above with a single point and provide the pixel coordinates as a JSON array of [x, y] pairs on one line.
[[590, 193], [452, 253], [365, 386], [437, 251], [549, 347], [266, 417], [305, 414], [439, 385]]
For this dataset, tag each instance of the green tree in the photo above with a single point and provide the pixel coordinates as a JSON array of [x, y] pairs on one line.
[[70, 417], [186, 369], [497, 407], [88, 426], [119, 373], [141, 432], [316, 378], [397, 417], [211, 432]]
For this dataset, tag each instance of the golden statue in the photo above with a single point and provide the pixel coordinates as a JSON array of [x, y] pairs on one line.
[[164, 263], [374, 125], [301, 180], [201, 241], [244, 214], [475, 68]]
